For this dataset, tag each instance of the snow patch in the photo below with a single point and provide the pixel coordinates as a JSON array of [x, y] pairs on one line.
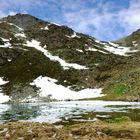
[[22, 48], [68, 36], [79, 50], [135, 43], [45, 28], [113, 44], [6, 45], [95, 50], [119, 50], [19, 28], [114, 48], [2, 82], [48, 87], [9, 60], [55, 24], [96, 64], [36, 44], [20, 35], [97, 41], [73, 35], [3, 98], [5, 40]]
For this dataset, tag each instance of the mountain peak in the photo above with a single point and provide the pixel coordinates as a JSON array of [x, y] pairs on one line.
[[22, 20]]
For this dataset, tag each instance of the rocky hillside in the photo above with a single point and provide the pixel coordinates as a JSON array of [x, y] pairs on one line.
[[133, 40], [45, 61]]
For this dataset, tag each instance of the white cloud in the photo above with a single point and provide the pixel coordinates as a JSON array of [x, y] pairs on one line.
[[4, 14], [12, 13], [11, 7], [91, 21], [130, 17], [103, 22]]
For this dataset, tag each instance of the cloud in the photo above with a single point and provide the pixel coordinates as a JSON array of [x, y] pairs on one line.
[[3, 14], [130, 17], [103, 19], [95, 21], [41, 8], [11, 7]]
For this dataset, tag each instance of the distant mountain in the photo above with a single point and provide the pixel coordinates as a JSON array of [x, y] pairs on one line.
[[133, 40], [40, 60]]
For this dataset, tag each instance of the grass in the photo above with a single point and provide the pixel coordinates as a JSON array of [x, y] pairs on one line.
[[120, 89], [118, 119]]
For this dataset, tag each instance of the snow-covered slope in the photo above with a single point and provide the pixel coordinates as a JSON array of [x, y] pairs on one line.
[[48, 87], [36, 44]]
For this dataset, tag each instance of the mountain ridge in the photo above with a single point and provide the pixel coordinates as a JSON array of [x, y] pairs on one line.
[[30, 48]]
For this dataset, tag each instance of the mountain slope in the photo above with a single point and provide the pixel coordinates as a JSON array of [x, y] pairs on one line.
[[133, 40], [33, 49]]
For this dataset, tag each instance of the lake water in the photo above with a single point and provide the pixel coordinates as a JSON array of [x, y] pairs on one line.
[[69, 111]]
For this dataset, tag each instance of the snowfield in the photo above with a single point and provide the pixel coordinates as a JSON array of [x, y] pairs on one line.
[[73, 35], [116, 49], [119, 50], [48, 87], [36, 44]]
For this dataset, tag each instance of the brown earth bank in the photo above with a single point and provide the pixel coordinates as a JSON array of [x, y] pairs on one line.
[[98, 130]]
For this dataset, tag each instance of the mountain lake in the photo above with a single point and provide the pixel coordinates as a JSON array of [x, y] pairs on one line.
[[69, 112]]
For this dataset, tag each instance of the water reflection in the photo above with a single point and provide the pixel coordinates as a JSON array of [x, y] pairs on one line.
[[69, 111], [17, 112]]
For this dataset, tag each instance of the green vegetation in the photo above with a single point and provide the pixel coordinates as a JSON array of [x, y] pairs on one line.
[[118, 119], [120, 89]]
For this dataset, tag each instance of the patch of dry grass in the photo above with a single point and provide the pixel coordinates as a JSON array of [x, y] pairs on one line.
[[84, 131]]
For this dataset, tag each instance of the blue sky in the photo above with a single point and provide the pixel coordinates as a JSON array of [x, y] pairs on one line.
[[103, 19]]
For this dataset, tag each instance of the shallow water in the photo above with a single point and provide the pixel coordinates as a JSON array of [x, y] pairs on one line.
[[69, 111]]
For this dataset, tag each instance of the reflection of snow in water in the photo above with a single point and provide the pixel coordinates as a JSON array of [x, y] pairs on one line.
[[56, 111]]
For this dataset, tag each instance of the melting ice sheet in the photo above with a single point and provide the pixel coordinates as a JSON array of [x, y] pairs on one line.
[[58, 111]]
